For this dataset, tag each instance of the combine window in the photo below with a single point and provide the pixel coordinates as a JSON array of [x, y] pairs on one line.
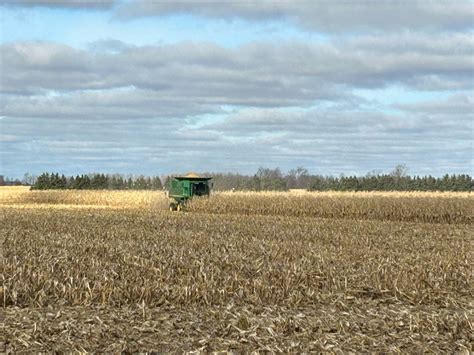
[[200, 189]]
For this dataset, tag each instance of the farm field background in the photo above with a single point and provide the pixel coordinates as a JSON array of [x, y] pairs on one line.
[[115, 270]]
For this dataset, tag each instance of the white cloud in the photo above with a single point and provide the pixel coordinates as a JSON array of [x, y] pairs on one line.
[[119, 107], [68, 4], [323, 16]]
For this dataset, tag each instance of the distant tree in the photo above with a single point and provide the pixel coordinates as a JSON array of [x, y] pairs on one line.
[[42, 182], [298, 178], [129, 184], [271, 179], [29, 179], [62, 182], [399, 171], [156, 183], [140, 183]]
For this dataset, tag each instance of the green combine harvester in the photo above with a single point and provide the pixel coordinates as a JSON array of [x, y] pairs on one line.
[[183, 188]]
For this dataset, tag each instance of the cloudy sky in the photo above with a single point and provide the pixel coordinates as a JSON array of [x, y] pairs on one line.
[[158, 87]]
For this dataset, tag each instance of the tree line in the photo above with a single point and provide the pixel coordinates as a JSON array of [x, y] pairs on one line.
[[47, 181], [266, 179], [300, 178]]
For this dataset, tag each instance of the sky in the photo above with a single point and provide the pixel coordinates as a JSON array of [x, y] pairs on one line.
[[161, 87]]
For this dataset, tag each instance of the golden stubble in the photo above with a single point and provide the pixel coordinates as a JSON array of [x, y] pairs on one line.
[[242, 271]]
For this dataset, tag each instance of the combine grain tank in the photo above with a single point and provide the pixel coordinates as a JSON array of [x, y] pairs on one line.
[[184, 188]]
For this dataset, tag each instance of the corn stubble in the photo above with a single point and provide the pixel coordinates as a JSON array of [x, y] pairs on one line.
[[237, 272]]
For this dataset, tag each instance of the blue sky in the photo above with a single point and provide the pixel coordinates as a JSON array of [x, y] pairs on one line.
[[81, 28], [161, 87]]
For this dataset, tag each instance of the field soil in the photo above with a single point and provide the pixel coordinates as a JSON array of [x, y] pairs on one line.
[[116, 271]]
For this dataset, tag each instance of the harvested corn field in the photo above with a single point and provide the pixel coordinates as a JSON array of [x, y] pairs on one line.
[[278, 272]]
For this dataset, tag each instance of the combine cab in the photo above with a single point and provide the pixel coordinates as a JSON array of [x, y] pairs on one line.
[[184, 188]]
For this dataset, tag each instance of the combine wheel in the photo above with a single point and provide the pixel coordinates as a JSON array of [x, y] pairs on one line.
[[179, 208], [173, 206]]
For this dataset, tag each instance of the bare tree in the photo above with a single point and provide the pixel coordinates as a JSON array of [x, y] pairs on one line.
[[399, 171], [29, 179]]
